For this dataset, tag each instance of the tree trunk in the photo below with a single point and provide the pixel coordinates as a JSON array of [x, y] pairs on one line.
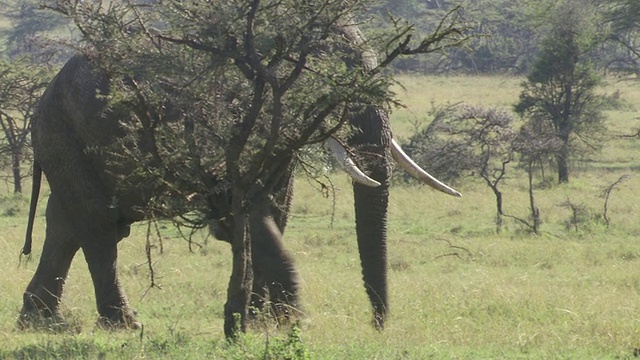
[[241, 281], [564, 129], [17, 178], [535, 212], [498, 195], [499, 211], [563, 162]]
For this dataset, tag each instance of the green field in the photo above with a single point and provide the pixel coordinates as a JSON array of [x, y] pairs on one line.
[[572, 292]]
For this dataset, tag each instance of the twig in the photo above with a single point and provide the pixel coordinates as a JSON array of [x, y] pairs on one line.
[[522, 221], [468, 257], [189, 238], [607, 195], [152, 276], [326, 191], [575, 209]]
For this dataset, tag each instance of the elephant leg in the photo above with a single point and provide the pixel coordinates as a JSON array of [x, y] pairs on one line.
[[260, 290], [280, 279], [42, 297], [113, 306], [124, 230], [283, 299], [275, 275]]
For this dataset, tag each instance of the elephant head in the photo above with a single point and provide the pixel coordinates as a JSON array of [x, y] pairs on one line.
[[276, 279], [373, 141]]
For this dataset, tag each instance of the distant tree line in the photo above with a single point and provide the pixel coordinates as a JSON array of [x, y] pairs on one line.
[[558, 117], [509, 33]]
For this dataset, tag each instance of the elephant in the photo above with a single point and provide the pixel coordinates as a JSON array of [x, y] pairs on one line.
[[81, 212]]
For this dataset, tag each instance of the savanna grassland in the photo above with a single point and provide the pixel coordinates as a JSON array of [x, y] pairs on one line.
[[457, 289]]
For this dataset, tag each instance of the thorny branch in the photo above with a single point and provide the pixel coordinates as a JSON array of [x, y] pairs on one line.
[[446, 35], [150, 263], [326, 190]]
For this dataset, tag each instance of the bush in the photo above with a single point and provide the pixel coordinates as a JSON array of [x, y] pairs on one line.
[[290, 348], [14, 205], [432, 148]]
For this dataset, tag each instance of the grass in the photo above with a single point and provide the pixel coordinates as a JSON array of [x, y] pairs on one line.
[[457, 289]]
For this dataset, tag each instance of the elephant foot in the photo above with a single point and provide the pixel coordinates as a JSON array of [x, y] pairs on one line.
[[38, 315], [119, 319], [378, 321], [108, 324], [283, 311], [42, 320], [285, 314], [124, 323], [285, 305]]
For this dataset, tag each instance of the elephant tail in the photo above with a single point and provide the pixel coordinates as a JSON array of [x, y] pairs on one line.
[[35, 192]]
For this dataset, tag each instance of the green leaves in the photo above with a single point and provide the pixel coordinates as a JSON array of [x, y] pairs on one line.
[[559, 98], [214, 92]]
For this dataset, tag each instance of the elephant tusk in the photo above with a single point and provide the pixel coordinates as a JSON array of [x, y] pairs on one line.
[[347, 163], [412, 168]]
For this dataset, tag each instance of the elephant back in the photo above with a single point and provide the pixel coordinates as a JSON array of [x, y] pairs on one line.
[[75, 102], [73, 127]]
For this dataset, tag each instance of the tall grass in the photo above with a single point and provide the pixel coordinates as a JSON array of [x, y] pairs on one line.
[[457, 289]]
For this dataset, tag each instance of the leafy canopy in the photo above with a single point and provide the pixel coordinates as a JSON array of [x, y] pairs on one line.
[[219, 96]]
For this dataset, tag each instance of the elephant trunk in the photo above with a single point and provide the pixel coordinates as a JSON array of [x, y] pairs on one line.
[[371, 229], [372, 139]]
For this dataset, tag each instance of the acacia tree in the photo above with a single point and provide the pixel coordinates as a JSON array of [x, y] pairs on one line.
[[624, 14], [559, 94], [536, 144], [221, 96], [474, 141], [21, 84], [623, 17]]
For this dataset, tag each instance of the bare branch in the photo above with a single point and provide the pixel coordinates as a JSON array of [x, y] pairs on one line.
[[607, 195], [468, 256]]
